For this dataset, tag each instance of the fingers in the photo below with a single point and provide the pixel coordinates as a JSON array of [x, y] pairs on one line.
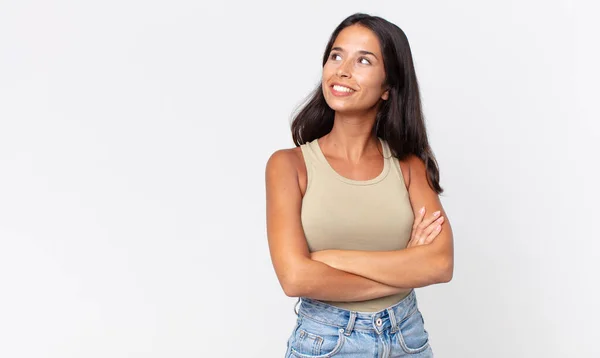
[[426, 222], [432, 231], [419, 218], [425, 229], [416, 229], [421, 223], [425, 237]]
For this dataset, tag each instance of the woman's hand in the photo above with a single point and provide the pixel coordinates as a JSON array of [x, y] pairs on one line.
[[425, 230]]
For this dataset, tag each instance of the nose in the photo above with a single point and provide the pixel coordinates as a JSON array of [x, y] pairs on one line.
[[343, 70]]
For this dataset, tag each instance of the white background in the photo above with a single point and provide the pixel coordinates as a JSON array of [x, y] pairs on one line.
[[133, 140]]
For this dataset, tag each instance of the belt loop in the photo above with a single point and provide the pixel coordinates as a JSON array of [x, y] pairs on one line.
[[350, 325], [392, 320], [295, 305]]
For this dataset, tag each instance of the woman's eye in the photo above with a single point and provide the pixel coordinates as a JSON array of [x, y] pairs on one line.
[[366, 60]]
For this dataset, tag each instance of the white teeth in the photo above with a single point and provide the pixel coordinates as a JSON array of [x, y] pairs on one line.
[[342, 88]]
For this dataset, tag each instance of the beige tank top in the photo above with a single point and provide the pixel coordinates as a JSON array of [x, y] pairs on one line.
[[347, 214]]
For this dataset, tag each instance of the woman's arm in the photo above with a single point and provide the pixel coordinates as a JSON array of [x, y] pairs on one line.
[[297, 273], [417, 266]]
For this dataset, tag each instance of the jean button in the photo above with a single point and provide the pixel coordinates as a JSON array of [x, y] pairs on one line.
[[378, 322]]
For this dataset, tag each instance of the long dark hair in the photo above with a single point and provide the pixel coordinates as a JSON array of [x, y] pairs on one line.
[[399, 120]]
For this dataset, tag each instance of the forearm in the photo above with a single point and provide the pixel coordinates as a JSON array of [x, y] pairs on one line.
[[319, 281], [413, 267]]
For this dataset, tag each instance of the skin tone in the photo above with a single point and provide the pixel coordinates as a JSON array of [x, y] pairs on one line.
[[355, 62]]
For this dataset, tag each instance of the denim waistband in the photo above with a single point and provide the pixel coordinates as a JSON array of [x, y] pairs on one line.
[[387, 318]]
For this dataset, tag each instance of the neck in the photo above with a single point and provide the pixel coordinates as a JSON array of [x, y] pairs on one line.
[[351, 137]]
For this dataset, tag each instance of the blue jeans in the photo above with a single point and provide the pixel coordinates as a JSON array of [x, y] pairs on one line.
[[324, 331]]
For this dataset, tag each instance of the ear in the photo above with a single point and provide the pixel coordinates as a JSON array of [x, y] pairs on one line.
[[385, 95]]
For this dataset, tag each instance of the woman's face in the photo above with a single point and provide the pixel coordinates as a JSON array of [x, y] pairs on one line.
[[354, 75]]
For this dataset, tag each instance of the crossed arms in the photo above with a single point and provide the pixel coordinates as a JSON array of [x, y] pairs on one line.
[[347, 275]]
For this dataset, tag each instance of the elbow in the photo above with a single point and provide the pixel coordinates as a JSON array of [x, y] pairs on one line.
[[295, 281], [294, 288], [291, 289], [446, 276], [292, 283], [446, 271], [292, 292]]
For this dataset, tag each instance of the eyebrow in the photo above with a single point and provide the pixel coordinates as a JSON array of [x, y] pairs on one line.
[[362, 52]]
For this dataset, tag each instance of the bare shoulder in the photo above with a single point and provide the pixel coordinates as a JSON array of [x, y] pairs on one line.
[[417, 171], [409, 164], [286, 159], [288, 163]]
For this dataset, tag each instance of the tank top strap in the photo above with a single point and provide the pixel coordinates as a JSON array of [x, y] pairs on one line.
[[311, 161], [387, 152], [309, 152], [394, 163]]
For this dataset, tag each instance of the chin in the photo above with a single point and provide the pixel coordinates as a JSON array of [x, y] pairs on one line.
[[341, 106], [338, 104], [347, 110]]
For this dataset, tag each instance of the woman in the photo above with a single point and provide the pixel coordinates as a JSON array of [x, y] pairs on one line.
[[354, 221]]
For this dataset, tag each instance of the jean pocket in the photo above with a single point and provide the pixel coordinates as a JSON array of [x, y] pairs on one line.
[[296, 325], [315, 340], [412, 335]]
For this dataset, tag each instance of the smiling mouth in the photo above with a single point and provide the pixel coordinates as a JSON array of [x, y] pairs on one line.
[[341, 91], [339, 88]]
